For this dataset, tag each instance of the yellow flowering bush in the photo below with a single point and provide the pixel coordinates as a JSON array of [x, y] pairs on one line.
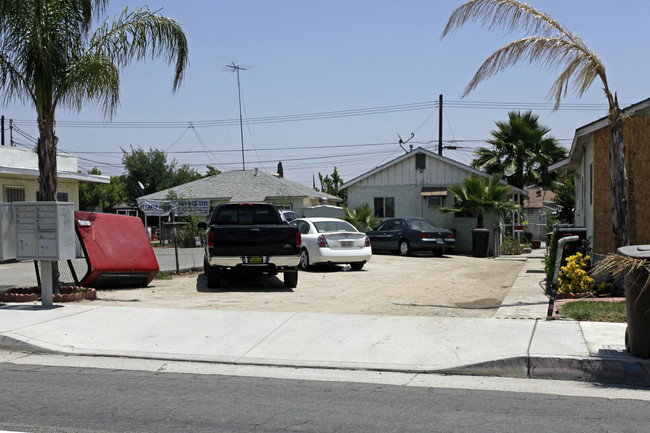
[[573, 276]]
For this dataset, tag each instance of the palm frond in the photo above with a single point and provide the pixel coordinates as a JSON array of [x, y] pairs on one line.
[[510, 15], [143, 34], [547, 52], [93, 77]]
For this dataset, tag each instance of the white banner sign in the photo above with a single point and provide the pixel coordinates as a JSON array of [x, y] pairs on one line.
[[180, 207]]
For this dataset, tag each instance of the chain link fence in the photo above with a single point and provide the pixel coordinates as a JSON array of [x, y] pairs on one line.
[[169, 260]]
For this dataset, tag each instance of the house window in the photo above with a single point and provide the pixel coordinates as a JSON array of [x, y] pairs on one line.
[[434, 201], [385, 207], [60, 196], [14, 194], [420, 161]]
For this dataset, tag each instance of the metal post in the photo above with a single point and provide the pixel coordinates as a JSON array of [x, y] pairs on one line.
[[47, 300], [176, 250], [440, 125], [556, 272]]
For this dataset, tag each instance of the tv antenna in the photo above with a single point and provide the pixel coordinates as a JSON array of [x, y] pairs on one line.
[[401, 141], [233, 67]]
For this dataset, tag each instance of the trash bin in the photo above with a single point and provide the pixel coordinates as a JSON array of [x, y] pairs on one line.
[[637, 303], [480, 242]]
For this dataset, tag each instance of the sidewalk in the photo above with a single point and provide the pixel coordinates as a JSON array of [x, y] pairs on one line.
[[516, 342]]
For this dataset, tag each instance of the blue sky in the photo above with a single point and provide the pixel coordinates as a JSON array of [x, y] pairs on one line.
[[360, 57]]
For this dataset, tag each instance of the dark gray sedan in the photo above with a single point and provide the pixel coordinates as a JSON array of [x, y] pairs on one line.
[[406, 235]]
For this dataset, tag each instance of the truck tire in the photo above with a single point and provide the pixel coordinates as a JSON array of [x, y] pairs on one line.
[[213, 276], [291, 278]]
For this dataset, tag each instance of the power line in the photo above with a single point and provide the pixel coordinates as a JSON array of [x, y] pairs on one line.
[[388, 109]]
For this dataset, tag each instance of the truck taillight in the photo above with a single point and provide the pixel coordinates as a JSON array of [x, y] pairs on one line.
[[322, 242], [298, 239], [210, 240], [367, 241]]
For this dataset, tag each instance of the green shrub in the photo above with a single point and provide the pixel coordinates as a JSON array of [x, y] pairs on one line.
[[511, 246]]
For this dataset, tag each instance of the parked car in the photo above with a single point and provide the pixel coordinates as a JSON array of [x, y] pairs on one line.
[[406, 235], [288, 215], [331, 240]]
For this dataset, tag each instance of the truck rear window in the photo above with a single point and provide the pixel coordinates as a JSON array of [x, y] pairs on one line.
[[245, 215]]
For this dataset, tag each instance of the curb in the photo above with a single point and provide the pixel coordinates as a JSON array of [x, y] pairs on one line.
[[621, 371]]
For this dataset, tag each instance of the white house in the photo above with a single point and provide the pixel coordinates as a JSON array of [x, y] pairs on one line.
[[19, 176], [415, 185]]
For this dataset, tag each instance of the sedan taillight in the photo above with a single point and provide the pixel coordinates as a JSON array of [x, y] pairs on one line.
[[298, 239], [426, 235], [322, 242], [367, 244]]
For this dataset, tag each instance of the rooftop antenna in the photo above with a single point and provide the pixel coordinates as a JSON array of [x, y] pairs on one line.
[[233, 67], [401, 141]]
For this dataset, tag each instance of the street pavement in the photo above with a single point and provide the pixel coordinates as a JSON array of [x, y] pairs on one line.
[[517, 341]]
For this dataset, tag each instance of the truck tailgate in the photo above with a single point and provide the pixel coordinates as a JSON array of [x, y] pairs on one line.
[[269, 240]]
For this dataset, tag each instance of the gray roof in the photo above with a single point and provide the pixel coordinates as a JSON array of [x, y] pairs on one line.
[[242, 185]]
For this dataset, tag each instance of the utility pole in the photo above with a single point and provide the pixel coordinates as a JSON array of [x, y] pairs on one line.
[[236, 68], [440, 125], [11, 132], [3, 130]]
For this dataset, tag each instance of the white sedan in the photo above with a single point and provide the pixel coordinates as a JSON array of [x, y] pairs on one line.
[[331, 240]]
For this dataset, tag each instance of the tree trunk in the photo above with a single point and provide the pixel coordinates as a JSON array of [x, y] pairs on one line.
[[479, 221], [618, 179], [48, 178], [47, 141]]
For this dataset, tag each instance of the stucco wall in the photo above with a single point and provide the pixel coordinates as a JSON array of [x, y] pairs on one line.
[[31, 187], [25, 158]]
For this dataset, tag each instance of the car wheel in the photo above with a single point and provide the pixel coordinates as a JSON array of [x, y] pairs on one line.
[[213, 276], [404, 248], [438, 252], [357, 266], [304, 259], [291, 278]]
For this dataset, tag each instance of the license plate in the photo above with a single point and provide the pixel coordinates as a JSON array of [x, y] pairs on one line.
[[441, 241], [255, 260], [347, 244]]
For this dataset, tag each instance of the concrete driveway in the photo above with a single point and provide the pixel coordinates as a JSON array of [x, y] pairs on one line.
[[454, 286]]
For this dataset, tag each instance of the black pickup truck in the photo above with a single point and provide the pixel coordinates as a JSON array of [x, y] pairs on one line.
[[250, 238]]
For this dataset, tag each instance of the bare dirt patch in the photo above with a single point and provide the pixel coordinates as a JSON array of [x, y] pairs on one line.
[[456, 286]]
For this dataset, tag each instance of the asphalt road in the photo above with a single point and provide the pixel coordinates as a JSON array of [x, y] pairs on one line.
[[65, 399]]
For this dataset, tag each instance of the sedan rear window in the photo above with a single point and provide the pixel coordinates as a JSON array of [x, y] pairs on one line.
[[422, 225], [334, 227]]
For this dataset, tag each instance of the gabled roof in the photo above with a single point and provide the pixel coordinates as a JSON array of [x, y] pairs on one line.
[[432, 155], [242, 185], [575, 154]]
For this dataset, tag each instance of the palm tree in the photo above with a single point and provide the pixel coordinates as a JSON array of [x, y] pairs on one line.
[[552, 45], [521, 152], [477, 196], [48, 58], [362, 217]]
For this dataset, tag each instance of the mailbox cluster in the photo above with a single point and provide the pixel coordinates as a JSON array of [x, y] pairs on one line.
[[44, 230]]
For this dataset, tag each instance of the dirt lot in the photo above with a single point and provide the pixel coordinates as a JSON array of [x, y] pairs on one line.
[[388, 285]]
